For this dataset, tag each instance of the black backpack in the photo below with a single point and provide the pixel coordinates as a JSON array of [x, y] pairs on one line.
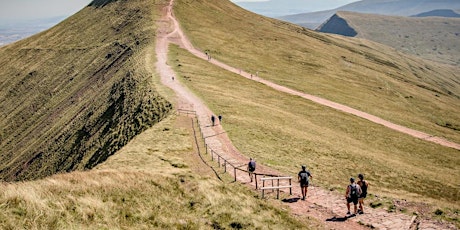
[[304, 177], [354, 191], [252, 165]]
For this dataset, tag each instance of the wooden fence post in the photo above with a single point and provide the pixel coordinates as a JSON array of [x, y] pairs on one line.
[[234, 171], [255, 178]]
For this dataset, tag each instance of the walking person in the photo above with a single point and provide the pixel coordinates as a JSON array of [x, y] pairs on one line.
[[213, 119], [304, 177], [364, 186], [251, 167], [352, 195]]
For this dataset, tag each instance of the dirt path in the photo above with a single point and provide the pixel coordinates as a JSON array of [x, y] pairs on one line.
[[321, 204], [181, 39]]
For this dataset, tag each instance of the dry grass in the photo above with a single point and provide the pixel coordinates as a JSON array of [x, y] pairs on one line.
[[433, 38], [75, 94], [284, 131], [361, 74], [149, 184]]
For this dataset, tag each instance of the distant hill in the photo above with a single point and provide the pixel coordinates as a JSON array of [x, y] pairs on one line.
[[75, 94], [433, 38], [383, 7], [439, 13]]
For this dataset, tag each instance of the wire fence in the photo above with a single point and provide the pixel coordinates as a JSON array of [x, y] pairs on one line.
[[226, 164]]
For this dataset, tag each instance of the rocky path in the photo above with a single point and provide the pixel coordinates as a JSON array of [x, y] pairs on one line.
[[326, 206]]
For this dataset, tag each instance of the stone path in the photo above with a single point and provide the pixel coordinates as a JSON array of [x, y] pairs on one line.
[[321, 204]]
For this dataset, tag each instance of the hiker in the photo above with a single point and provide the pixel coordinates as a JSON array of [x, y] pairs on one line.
[[364, 185], [352, 195], [304, 177], [220, 118], [213, 119], [251, 167]]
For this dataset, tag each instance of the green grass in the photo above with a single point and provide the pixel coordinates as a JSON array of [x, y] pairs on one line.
[[284, 132], [358, 73]]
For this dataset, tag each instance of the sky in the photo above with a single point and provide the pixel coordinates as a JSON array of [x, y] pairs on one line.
[[38, 9], [293, 5]]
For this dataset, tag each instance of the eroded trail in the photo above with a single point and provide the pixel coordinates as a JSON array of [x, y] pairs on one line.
[[321, 204]]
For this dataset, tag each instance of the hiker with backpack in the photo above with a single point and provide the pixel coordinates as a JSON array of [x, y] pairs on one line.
[[213, 119], [304, 181], [352, 195], [364, 185], [251, 167]]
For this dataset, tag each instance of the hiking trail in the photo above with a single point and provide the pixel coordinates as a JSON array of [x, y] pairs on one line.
[[326, 206]]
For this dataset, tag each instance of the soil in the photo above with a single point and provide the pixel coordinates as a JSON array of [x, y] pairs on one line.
[[327, 207]]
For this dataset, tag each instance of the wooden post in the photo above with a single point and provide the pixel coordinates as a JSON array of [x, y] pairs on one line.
[[278, 190], [218, 160], [290, 189], [273, 190], [255, 178], [263, 185], [212, 155], [225, 166], [206, 147], [234, 171]]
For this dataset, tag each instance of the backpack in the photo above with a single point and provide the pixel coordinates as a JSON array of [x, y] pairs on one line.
[[252, 165], [354, 191], [304, 177]]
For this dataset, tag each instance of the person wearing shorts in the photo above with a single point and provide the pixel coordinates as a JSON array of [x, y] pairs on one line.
[[303, 177], [352, 195], [364, 185]]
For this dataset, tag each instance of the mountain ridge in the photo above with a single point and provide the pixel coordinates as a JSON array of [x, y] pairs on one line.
[[432, 38], [385, 7], [72, 97]]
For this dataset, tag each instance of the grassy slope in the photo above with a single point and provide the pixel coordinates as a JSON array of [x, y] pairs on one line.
[[154, 182], [433, 38], [263, 124], [358, 73], [284, 131], [75, 94]]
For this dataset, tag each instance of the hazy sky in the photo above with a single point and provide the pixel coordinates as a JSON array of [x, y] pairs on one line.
[[33, 9], [311, 5]]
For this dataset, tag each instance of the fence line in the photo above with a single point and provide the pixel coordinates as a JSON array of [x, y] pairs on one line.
[[216, 155]]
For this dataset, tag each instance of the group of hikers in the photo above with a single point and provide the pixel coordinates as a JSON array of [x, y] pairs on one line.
[[213, 119], [355, 193]]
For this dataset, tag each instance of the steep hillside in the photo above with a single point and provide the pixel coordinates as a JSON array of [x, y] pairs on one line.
[[75, 94], [283, 131], [433, 38], [383, 7], [362, 74]]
